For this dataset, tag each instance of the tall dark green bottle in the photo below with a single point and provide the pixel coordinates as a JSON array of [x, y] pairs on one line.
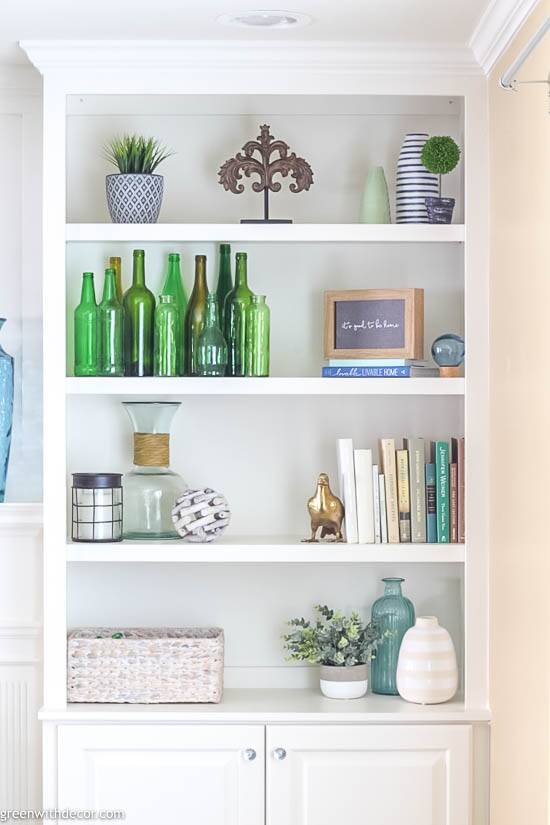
[[110, 328], [139, 311], [196, 316], [85, 329], [236, 304], [225, 280], [173, 285]]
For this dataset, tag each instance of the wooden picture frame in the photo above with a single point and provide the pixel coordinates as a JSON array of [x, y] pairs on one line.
[[376, 331]]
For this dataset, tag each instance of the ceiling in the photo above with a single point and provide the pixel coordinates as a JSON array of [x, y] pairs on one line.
[[374, 21]]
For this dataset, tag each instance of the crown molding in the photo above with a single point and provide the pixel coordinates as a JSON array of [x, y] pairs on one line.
[[498, 26], [195, 54]]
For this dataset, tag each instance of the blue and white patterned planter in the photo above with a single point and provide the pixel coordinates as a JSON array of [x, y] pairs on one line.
[[134, 198], [414, 182]]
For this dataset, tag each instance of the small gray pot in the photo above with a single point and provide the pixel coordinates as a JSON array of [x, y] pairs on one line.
[[343, 682], [440, 210], [134, 198]]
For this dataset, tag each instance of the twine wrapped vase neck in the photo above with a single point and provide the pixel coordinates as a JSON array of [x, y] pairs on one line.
[[152, 449]]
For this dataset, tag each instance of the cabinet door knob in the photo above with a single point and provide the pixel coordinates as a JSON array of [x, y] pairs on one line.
[[249, 754], [279, 753]]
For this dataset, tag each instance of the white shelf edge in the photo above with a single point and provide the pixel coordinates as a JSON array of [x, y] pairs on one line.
[[285, 705], [264, 386], [274, 233], [265, 550]]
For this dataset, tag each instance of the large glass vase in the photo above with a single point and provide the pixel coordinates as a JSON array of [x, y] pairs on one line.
[[394, 615], [151, 487], [6, 413]]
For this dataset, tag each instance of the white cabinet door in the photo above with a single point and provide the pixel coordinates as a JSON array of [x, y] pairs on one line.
[[368, 775], [196, 774]]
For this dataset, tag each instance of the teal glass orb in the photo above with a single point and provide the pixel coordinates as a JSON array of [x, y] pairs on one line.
[[448, 350]]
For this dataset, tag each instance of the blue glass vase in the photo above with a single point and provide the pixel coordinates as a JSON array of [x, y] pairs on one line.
[[448, 353], [6, 413], [394, 615]]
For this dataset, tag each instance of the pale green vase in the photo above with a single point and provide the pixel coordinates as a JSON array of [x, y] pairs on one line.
[[375, 206]]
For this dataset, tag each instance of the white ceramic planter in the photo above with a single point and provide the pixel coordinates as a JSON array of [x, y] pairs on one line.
[[343, 682], [427, 673]]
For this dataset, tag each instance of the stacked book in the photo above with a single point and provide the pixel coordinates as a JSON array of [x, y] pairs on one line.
[[378, 368], [410, 494]]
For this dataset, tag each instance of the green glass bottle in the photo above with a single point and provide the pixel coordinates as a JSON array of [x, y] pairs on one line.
[[85, 329], [236, 304], [212, 349], [257, 337], [225, 279], [173, 285], [167, 336], [139, 310], [110, 328], [195, 316], [116, 263]]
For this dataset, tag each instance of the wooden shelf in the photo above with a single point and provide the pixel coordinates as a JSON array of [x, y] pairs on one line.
[[274, 233], [265, 386], [264, 550], [264, 706]]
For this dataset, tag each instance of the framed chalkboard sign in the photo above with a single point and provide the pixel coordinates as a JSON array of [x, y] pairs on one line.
[[374, 323]]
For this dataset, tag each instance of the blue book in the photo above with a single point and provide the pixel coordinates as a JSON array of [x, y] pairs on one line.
[[379, 372], [431, 506]]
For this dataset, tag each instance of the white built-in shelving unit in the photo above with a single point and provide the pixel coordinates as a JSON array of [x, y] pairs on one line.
[[262, 441]]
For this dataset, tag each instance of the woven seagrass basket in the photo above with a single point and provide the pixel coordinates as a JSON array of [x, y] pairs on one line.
[[145, 665]]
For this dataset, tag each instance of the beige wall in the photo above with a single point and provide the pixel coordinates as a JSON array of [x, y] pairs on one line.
[[520, 433]]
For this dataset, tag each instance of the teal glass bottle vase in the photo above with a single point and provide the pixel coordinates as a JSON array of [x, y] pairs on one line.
[[394, 615], [212, 349]]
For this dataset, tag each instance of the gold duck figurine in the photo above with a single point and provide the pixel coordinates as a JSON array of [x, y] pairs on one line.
[[326, 512]]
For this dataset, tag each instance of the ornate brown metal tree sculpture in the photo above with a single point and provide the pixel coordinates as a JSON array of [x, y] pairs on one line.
[[246, 163]]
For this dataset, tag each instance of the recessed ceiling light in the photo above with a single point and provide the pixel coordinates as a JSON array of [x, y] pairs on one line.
[[265, 19]]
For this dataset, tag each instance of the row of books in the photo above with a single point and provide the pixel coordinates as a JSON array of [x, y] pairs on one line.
[[378, 368], [412, 494]]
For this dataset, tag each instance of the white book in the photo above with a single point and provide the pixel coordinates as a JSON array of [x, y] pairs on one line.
[[365, 502], [376, 500], [346, 475], [383, 513]]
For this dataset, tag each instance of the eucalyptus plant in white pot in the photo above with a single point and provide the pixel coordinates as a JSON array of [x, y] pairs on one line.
[[342, 645], [134, 194]]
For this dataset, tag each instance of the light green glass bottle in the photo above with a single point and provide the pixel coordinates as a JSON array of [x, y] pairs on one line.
[[167, 336], [212, 349], [110, 328], [225, 279], [257, 337], [139, 310], [236, 304], [195, 316], [173, 285], [85, 329], [116, 263]]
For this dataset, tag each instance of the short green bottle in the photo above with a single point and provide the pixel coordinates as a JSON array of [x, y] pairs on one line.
[[110, 328], [173, 285], [167, 336], [195, 316], [236, 304], [225, 279], [212, 351], [85, 329], [139, 311], [257, 337]]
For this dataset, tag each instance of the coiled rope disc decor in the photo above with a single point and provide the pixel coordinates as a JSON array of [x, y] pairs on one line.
[[246, 163]]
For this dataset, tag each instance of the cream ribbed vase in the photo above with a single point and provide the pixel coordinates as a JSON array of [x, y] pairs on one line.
[[427, 672]]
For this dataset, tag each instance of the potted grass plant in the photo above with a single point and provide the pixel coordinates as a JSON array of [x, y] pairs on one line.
[[342, 645], [440, 155], [134, 194]]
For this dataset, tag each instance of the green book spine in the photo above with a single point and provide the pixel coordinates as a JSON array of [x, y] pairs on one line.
[[442, 491]]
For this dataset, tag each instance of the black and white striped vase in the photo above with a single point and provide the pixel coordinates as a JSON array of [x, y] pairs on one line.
[[414, 182]]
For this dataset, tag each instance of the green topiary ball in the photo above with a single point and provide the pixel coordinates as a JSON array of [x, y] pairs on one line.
[[440, 155]]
